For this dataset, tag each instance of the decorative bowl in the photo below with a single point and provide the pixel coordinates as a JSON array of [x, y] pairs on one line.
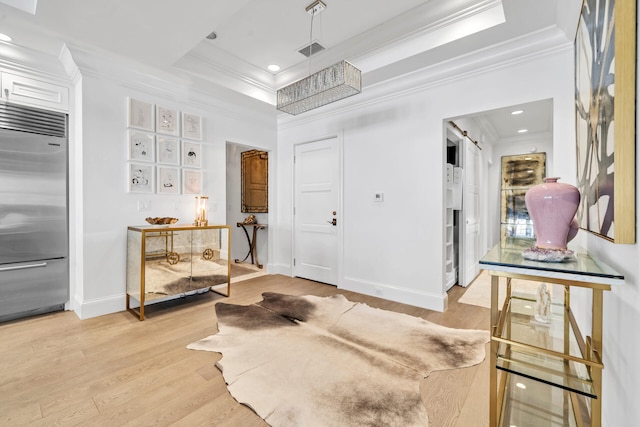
[[161, 220]]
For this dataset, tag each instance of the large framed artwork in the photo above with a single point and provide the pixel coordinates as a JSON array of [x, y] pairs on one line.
[[255, 181], [519, 173], [605, 48]]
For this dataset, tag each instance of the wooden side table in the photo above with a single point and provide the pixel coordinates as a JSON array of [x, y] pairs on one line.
[[252, 242]]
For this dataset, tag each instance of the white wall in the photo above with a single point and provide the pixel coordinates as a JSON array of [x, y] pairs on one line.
[[393, 143], [103, 207]]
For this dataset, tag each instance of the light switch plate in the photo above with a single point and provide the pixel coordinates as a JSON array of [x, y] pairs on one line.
[[144, 205]]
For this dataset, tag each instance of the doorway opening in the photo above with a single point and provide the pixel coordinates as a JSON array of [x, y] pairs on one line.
[[453, 205], [240, 243], [507, 131]]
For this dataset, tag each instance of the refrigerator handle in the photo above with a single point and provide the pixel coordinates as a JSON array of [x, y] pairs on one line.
[[23, 267]]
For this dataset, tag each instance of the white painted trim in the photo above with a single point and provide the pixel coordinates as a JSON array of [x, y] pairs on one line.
[[390, 292], [413, 32], [540, 44], [340, 231], [166, 83], [284, 269], [99, 307], [32, 64]]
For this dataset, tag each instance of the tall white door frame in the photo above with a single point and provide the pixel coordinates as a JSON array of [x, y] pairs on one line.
[[470, 216], [317, 182]]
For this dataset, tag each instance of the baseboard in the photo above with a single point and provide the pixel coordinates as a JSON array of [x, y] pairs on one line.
[[284, 269], [99, 307], [393, 293]]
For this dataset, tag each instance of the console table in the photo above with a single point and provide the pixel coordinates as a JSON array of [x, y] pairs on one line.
[[545, 374], [175, 260], [253, 252]]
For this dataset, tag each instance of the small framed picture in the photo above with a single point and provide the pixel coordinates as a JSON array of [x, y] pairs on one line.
[[140, 178], [140, 114], [168, 150], [168, 180], [167, 121], [141, 146], [191, 182], [191, 126], [191, 154]]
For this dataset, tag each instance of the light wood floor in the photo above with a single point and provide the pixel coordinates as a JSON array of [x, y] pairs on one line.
[[115, 370]]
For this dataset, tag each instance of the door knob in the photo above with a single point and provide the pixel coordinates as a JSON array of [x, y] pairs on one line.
[[333, 222]]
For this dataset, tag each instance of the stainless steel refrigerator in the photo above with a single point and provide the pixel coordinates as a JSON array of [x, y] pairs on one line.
[[34, 242]]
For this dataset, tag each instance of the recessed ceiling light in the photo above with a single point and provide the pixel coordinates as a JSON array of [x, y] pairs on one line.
[[5, 38], [522, 386], [523, 130], [516, 112], [274, 67]]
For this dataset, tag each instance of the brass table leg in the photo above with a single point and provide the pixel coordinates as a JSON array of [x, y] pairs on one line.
[[253, 253], [493, 374]]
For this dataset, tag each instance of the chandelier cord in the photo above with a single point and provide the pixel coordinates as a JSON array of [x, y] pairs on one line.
[[313, 14]]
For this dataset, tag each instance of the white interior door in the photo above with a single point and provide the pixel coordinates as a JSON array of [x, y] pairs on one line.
[[316, 216], [470, 215]]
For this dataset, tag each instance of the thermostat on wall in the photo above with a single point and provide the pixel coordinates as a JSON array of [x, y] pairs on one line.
[[378, 197]]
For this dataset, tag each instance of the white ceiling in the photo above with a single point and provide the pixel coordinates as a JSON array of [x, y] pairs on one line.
[[383, 38], [500, 126]]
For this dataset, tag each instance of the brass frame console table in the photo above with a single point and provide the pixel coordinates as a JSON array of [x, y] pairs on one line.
[[175, 260], [563, 370]]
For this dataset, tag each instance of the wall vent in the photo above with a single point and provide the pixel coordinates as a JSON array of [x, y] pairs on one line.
[[311, 49]]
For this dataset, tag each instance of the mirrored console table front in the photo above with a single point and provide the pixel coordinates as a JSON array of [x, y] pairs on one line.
[[545, 373], [169, 261]]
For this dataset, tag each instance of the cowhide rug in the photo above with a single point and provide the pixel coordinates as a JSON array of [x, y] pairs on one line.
[[314, 361]]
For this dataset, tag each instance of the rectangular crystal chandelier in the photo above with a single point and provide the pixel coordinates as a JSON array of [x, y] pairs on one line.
[[332, 84]]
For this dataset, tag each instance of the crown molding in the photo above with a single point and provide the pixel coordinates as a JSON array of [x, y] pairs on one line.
[[170, 83], [546, 42], [29, 62], [405, 35], [235, 74]]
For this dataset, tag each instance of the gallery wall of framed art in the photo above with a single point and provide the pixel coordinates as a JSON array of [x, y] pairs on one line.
[[164, 149]]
